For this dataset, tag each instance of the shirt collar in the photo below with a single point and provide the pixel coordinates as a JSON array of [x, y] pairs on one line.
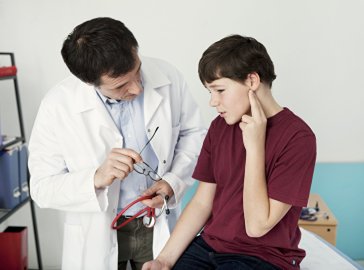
[[107, 101]]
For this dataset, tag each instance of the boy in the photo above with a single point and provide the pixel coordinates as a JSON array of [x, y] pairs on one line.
[[255, 171]]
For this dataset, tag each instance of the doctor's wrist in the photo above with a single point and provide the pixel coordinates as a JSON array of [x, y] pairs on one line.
[[98, 183]]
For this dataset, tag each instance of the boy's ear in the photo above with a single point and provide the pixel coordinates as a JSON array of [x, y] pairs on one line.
[[253, 81]]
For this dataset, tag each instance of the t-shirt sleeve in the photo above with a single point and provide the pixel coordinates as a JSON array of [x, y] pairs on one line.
[[290, 181], [204, 168]]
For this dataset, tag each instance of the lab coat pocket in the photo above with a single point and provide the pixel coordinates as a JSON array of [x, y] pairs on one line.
[[79, 161], [73, 243]]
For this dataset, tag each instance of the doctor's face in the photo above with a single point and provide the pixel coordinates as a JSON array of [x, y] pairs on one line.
[[230, 98], [125, 87]]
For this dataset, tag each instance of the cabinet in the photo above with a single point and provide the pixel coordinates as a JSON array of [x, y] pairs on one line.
[[325, 225], [6, 213]]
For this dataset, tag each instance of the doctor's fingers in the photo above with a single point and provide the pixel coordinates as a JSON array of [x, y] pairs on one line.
[[112, 169], [130, 153], [118, 174], [155, 202], [160, 189], [117, 159]]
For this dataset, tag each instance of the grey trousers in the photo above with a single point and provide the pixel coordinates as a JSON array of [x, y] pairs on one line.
[[135, 243]]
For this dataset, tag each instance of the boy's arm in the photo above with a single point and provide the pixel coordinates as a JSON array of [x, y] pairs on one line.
[[261, 213], [189, 224]]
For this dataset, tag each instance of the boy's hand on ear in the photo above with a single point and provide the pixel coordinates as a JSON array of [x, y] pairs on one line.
[[253, 127]]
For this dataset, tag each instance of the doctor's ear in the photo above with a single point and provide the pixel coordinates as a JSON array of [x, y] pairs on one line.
[[253, 81]]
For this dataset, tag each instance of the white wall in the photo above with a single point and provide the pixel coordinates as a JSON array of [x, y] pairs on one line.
[[317, 48]]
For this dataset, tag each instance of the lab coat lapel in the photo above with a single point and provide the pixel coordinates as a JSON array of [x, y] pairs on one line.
[[98, 128], [89, 102], [153, 79], [152, 101]]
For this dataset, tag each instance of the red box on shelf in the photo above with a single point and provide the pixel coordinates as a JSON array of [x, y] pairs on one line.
[[14, 248], [8, 71]]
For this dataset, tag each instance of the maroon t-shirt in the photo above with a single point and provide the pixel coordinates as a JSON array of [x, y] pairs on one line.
[[289, 162]]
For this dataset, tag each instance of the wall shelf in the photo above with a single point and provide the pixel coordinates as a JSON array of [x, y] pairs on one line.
[[6, 213]]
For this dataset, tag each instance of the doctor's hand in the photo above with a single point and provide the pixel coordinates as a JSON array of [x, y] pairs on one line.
[[160, 187], [254, 127], [117, 165], [156, 265]]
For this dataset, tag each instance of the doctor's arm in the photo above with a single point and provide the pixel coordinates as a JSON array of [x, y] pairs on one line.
[[53, 183], [191, 221]]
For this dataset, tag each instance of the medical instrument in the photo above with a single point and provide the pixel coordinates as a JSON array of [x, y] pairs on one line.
[[308, 213], [149, 219]]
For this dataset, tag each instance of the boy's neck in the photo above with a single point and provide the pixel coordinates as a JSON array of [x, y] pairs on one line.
[[269, 104]]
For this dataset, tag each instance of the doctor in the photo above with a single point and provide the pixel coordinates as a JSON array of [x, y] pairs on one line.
[[93, 134]]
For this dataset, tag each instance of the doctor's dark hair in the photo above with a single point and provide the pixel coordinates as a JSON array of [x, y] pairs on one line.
[[101, 46], [235, 57]]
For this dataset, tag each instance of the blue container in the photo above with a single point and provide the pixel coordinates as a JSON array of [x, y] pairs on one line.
[[10, 191]]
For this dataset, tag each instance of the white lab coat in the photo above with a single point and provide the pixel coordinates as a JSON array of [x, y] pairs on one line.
[[71, 137]]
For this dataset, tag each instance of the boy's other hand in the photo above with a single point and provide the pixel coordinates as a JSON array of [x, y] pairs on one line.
[[155, 265]]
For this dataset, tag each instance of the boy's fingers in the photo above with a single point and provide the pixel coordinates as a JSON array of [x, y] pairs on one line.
[[242, 125], [253, 104], [246, 119], [256, 108]]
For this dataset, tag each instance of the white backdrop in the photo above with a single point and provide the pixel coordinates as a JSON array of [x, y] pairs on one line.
[[316, 46]]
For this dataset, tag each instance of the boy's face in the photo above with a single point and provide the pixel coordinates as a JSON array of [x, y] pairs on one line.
[[230, 98]]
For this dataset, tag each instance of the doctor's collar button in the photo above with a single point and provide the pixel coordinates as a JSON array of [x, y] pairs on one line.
[[164, 161], [148, 129]]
